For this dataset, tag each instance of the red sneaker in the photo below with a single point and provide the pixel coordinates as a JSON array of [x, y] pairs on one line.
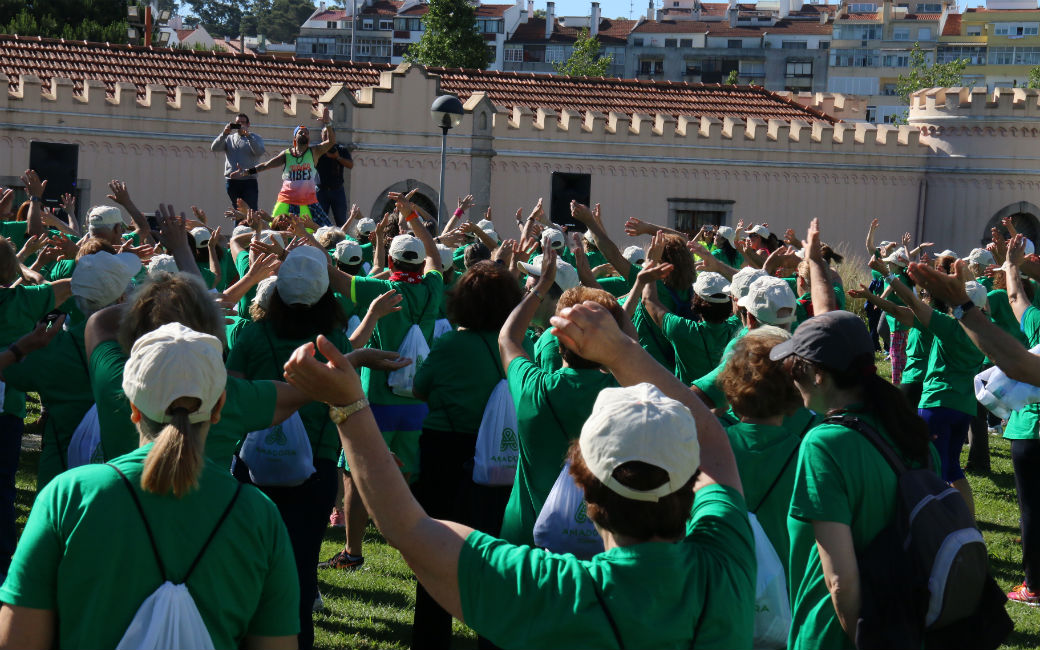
[[1021, 594]]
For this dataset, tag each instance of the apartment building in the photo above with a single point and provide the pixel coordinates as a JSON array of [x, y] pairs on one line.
[[871, 45], [1001, 42], [536, 44]]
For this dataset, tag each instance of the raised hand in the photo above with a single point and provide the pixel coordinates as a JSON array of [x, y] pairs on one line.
[[656, 249], [33, 185], [581, 212], [200, 215], [119, 193], [1009, 224], [466, 202], [636, 227], [1016, 250], [506, 252], [591, 332], [812, 244], [947, 288], [6, 201], [654, 271], [68, 203], [376, 359], [386, 303]]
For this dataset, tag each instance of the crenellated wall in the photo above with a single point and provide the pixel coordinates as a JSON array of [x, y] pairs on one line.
[[964, 156]]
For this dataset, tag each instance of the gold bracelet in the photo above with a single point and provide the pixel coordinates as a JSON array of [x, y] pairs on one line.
[[340, 413]]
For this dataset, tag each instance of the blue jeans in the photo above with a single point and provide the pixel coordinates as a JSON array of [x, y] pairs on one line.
[[11, 428], [245, 189], [949, 429], [334, 202]]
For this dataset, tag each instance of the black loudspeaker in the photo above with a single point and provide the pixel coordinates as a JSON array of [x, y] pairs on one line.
[[56, 163], [567, 187]]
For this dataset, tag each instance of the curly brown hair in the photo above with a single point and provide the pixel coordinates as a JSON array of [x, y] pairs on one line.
[[483, 297], [755, 386], [578, 295]]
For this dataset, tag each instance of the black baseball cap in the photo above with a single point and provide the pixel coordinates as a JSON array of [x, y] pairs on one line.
[[833, 340]]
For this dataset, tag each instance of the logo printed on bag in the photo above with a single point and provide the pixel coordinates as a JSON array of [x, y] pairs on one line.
[[509, 440], [276, 437], [579, 515]]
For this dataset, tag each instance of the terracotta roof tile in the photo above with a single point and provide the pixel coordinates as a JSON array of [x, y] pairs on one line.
[[184, 33], [673, 27], [331, 14], [614, 32], [952, 26], [79, 60], [876, 16], [492, 11], [923, 17]]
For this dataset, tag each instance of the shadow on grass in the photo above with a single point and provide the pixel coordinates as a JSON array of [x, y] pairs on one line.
[[372, 628], [368, 596]]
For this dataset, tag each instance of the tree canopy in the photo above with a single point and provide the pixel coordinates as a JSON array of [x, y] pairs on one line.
[[922, 75], [449, 37], [585, 59], [91, 20]]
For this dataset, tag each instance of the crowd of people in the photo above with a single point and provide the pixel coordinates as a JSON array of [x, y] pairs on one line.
[[562, 435]]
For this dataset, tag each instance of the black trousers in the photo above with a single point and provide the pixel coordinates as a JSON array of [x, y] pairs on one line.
[[1025, 458], [446, 490]]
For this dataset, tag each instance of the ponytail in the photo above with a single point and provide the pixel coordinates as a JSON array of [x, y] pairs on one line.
[[175, 459]]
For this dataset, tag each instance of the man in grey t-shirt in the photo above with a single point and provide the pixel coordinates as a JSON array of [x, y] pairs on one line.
[[242, 150]]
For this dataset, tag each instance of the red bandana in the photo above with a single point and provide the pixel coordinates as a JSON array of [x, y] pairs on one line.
[[402, 276]]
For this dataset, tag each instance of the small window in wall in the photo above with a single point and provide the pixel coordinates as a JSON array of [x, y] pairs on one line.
[[735, 43], [514, 53], [367, 23], [685, 42], [690, 215], [386, 24], [670, 42], [637, 42], [973, 30], [651, 66]]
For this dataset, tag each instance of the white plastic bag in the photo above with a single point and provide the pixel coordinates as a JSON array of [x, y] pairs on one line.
[[167, 619], [498, 448], [562, 525], [1001, 394], [772, 607], [352, 324], [280, 455], [414, 347], [441, 327], [85, 446]]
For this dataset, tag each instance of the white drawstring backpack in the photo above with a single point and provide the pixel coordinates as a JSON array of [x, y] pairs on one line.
[[280, 455], [85, 446], [563, 525], [498, 445]]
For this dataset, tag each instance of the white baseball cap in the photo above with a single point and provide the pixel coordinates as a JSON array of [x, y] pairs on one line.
[[264, 290], [241, 229], [635, 255], [447, 256], [770, 300], [162, 264], [348, 251], [977, 293], [981, 256], [104, 216], [271, 237], [409, 249], [947, 253], [555, 238], [712, 287], [566, 275], [639, 423], [728, 234], [899, 257], [761, 231], [103, 277], [486, 225], [366, 226], [172, 362], [303, 278], [322, 230], [589, 237], [201, 236], [742, 280]]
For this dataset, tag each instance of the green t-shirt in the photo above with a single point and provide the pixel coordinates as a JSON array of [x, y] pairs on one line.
[[698, 346], [618, 286], [918, 347], [249, 406], [656, 591], [762, 453], [649, 334], [260, 354], [207, 276], [1024, 424], [16, 231], [708, 384], [233, 328], [550, 409], [420, 306], [21, 307], [59, 374], [952, 365], [547, 352], [228, 270], [736, 260], [595, 258], [841, 477], [893, 323], [986, 282], [62, 270], [457, 378], [86, 556], [242, 266], [1003, 316]]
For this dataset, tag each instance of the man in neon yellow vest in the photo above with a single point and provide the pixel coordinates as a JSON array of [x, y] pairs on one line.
[[298, 195]]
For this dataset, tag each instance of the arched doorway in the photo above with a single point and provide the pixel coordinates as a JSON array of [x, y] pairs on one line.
[[425, 198], [1024, 216]]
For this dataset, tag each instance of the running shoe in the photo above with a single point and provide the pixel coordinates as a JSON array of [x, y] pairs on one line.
[[336, 519], [1021, 594], [344, 561]]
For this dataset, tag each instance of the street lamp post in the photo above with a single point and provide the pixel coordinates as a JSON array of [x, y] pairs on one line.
[[447, 113]]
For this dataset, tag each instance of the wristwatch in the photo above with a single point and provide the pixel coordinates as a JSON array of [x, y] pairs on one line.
[[960, 310], [340, 413]]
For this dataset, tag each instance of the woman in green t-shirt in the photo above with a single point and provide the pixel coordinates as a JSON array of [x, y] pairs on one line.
[[185, 520], [844, 489]]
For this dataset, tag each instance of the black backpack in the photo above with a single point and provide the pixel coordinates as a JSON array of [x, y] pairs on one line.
[[925, 578]]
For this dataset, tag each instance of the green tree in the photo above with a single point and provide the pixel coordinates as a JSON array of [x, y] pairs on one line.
[[92, 20], [1034, 78], [922, 75], [449, 37], [733, 77], [249, 25], [220, 18], [280, 20], [585, 59]]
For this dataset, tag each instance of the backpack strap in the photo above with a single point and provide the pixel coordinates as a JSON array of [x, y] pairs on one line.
[[144, 520], [220, 522], [494, 356], [783, 470], [603, 606], [868, 432]]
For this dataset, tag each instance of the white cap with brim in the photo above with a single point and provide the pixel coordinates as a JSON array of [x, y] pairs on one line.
[[899, 257], [264, 290], [982, 257], [105, 216], [201, 236], [162, 264], [447, 256], [976, 293], [271, 237], [947, 253], [640, 424], [728, 234], [172, 362], [761, 231], [102, 278], [555, 238], [303, 278], [408, 249], [566, 275], [366, 227], [486, 225], [712, 287], [241, 229], [742, 281], [635, 255], [348, 252], [770, 300]]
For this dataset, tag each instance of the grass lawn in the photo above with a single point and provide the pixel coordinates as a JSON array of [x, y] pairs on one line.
[[372, 608]]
